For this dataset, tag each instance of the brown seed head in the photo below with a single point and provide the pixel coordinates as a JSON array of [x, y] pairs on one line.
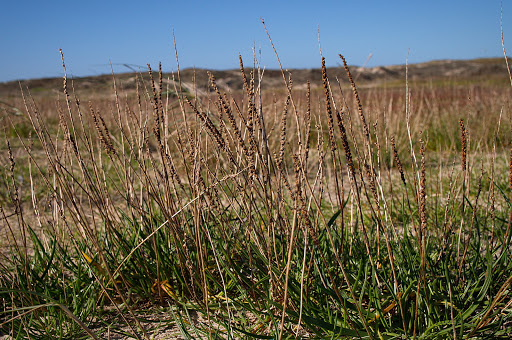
[[397, 160], [463, 140], [423, 195], [327, 92], [356, 95]]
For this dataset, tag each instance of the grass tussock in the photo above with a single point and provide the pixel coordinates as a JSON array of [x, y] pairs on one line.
[[328, 212]]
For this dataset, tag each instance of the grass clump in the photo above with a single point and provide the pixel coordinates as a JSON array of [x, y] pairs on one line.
[[254, 216]]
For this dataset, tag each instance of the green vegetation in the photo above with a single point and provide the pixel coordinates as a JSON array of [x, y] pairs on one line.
[[305, 212]]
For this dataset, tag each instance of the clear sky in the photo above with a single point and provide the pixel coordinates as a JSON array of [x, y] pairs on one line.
[[210, 34]]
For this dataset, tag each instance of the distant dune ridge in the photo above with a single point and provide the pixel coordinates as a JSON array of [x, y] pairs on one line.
[[484, 69]]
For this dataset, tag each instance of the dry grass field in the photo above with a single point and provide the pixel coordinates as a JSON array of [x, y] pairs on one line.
[[346, 202]]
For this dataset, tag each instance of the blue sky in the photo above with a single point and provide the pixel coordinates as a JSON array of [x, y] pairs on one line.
[[210, 34]]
